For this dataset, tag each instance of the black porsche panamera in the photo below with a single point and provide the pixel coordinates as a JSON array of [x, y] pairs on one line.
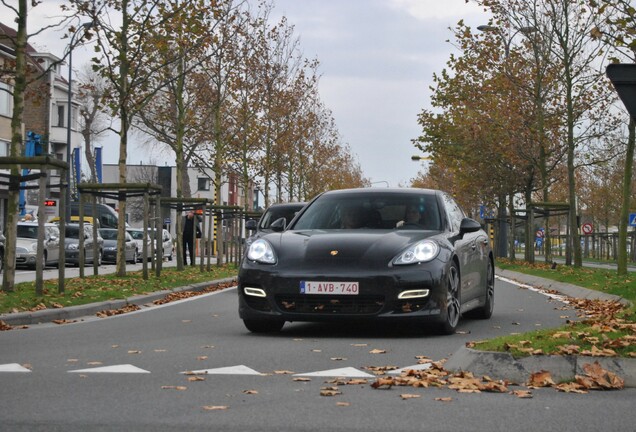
[[370, 254]]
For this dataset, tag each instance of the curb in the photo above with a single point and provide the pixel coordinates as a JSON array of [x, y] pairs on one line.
[[73, 312], [503, 366]]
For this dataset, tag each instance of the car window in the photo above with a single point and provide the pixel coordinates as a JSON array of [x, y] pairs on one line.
[[274, 213], [28, 231], [137, 235], [455, 214], [108, 234], [72, 232], [370, 211]]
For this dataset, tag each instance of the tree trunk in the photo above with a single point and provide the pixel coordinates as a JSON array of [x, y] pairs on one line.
[[627, 192]]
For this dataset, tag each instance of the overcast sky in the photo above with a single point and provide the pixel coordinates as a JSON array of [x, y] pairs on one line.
[[377, 59]]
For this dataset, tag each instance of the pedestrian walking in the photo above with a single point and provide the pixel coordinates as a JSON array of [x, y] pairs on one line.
[[190, 226]]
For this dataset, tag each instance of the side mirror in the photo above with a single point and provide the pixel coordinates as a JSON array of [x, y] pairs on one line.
[[250, 225], [278, 225], [469, 225]]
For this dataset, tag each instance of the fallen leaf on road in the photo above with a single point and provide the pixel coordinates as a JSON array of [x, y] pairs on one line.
[[250, 392], [522, 394], [405, 396], [283, 372], [444, 399], [302, 379], [195, 378], [343, 404], [180, 388], [377, 351], [540, 379], [329, 391], [215, 407]]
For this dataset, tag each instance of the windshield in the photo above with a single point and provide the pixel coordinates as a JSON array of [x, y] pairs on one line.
[[108, 234], [380, 210], [72, 232], [137, 235], [28, 231], [275, 213]]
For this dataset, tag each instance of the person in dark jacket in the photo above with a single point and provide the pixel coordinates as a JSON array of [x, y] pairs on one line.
[[189, 226]]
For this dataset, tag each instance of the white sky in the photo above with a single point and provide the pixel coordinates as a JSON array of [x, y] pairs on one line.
[[377, 61]]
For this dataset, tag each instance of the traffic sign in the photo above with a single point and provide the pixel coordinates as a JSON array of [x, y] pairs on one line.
[[632, 219], [587, 228]]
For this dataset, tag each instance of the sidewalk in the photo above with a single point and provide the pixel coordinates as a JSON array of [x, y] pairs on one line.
[[502, 366]]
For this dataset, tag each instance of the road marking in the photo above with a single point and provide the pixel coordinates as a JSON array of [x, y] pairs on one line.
[[417, 367], [124, 368], [13, 367], [229, 370], [347, 372]]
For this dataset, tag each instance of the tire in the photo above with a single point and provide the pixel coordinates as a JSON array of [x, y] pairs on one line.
[[485, 311], [453, 302], [1, 259], [264, 326], [134, 258]]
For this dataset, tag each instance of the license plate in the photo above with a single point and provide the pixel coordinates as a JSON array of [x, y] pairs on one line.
[[333, 288]]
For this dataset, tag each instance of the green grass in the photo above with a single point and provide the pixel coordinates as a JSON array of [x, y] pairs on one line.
[[605, 332], [606, 281], [99, 288]]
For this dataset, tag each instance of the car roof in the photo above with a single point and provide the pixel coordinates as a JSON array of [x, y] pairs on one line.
[[292, 205], [35, 223], [375, 190]]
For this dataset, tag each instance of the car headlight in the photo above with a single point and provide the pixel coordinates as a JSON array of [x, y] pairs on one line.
[[261, 251], [423, 251], [34, 247], [110, 248], [72, 246]]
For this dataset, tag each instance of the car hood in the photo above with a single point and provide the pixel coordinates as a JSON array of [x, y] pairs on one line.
[[337, 248], [24, 242]]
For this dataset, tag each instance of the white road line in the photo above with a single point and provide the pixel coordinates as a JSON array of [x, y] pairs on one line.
[[229, 370], [13, 367], [124, 368]]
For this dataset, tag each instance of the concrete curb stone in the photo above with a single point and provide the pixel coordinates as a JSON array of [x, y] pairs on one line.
[[503, 366], [74, 312]]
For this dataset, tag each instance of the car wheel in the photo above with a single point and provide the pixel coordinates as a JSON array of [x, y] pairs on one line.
[[485, 311], [1, 260], [453, 304], [263, 326]]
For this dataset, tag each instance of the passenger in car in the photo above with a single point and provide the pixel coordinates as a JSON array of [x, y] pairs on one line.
[[351, 218]]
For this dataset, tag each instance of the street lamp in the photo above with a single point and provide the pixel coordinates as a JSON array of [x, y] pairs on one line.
[[507, 41], [84, 27], [420, 158]]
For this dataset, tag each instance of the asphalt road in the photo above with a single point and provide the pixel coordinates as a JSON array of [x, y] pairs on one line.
[[253, 376]]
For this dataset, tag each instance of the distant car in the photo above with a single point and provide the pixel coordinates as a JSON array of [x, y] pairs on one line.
[[138, 235], [271, 215], [110, 246], [168, 245], [402, 255], [72, 244], [27, 244]]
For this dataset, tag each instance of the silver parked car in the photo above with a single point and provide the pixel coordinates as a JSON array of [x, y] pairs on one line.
[[109, 235], [138, 236], [168, 245], [72, 244], [27, 244]]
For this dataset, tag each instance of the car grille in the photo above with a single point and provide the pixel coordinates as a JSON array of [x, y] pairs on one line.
[[328, 305]]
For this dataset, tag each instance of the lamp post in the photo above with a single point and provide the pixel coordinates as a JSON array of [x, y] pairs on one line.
[[84, 27], [417, 158]]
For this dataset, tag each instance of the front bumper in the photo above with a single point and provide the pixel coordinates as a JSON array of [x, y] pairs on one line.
[[273, 294]]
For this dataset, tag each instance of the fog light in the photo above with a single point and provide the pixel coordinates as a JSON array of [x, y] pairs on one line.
[[413, 294], [256, 292]]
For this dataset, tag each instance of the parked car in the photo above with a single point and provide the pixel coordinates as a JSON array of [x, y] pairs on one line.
[[27, 244], [138, 236], [406, 255], [167, 242], [71, 245], [272, 214], [110, 246]]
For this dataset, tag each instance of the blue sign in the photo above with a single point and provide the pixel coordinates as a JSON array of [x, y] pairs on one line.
[[632, 219]]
